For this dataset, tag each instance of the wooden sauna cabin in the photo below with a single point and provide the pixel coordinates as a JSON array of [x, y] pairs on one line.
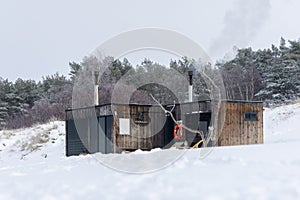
[[114, 128]]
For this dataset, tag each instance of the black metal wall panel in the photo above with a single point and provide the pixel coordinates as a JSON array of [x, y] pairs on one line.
[[94, 145], [89, 135], [196, 121], [101, 134], [74, 145], [168, 132], [82, 126], [109, 145]]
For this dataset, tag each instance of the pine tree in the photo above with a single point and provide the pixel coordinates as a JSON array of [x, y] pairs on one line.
[[3, 114], [75, 69]]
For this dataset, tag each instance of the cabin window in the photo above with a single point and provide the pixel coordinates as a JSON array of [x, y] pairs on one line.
[[251, 116], [139, 116], [124, 126]]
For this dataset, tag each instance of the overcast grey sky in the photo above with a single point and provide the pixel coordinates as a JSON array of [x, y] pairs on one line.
[[39, 38]]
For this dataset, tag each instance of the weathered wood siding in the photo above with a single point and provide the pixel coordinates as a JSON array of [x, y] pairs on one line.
[[238, 131], [147, 125]]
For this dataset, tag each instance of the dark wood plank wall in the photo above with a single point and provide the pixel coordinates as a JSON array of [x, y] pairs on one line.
[[146, 132], [236, 130]]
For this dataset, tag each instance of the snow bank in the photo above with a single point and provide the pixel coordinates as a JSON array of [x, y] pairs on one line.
[[282, 124], [268, 171]]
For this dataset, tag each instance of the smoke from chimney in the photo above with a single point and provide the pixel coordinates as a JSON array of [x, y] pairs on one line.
[[241, 25]]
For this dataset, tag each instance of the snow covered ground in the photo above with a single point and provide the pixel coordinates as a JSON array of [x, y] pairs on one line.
[[33, 166]]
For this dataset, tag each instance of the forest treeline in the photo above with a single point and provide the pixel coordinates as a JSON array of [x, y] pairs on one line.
[[271, 75]]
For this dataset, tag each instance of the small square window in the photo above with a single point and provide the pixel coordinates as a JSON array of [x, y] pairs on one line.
[[251, 116]]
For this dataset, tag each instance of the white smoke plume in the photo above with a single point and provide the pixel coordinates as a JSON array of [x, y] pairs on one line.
[[241, 25]]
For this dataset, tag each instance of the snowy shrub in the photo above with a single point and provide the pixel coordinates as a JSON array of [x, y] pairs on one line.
[[6, 134], [35, 142]]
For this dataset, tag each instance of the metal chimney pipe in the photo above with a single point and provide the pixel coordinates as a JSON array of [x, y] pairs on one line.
[[96, 89], [190, 73]]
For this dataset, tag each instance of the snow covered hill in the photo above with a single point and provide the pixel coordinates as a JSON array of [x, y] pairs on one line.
[[33, 166]]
